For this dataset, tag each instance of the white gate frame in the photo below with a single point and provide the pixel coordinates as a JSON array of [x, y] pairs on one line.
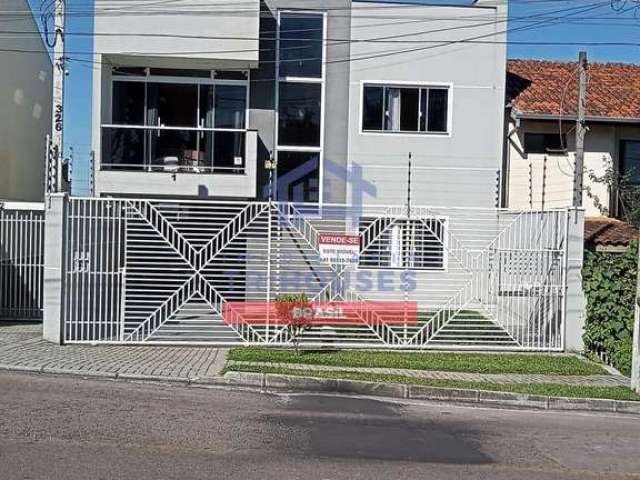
[[160, 271]]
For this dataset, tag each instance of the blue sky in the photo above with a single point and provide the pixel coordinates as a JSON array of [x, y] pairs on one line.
[[602, 24]]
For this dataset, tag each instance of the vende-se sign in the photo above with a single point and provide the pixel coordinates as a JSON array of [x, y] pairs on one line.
[[339, 248]]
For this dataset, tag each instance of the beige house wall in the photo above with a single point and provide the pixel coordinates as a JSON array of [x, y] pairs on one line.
[[538, 181]]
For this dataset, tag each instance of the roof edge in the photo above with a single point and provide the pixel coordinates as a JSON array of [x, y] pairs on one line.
[[554, 116]]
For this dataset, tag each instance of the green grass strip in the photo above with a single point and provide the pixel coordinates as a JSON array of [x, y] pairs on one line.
[[551, 390], [436, 361]]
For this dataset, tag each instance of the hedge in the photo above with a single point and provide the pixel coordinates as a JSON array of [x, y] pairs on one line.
[[609, 281]]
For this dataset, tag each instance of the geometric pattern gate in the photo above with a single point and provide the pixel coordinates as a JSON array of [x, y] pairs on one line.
[[160, 271]]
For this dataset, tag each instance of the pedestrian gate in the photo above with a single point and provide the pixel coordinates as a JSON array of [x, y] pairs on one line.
[[160, 271], [21, 260]]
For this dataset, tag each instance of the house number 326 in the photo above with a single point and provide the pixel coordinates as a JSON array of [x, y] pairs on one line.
[[58, 118]]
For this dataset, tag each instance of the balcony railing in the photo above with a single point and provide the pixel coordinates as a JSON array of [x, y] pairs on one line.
[[174, 150]]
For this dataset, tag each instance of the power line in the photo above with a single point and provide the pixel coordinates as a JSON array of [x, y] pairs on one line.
[[388, 39], [212, 9], [433, 43]]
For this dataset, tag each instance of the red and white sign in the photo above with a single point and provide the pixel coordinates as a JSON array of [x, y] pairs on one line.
[[339, 248], [392, 313]]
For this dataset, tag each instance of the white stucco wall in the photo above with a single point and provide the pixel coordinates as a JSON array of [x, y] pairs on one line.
[[25, 108], [189, 29], [457, 169], [526, 177]]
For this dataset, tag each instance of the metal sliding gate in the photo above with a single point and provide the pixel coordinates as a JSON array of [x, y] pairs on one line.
[[21, 260], [159, 271]]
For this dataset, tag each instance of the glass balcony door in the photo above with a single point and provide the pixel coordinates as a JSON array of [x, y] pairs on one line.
[[176, 127]]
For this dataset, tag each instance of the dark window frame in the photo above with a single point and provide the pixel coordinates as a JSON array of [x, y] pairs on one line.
[[307, 40], [234, 159], [423, 109], [287, 161], [551, 143], [624, 168], [312, 144]]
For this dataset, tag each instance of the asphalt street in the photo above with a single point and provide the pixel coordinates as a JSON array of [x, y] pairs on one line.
[[68, 428]]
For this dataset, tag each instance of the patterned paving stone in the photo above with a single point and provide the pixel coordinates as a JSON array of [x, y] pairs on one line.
[[21, 346]]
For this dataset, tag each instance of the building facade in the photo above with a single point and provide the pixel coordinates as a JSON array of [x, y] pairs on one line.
[[376, 127], [540, 140], [25, 103], [337, 97]]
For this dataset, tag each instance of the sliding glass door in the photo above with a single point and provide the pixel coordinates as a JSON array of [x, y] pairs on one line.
[[195, 125]]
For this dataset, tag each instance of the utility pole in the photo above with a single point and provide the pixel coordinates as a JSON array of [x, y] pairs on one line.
[[59, 72], [578, 173], [635, 356]]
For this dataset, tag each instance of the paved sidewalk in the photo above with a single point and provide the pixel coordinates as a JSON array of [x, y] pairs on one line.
[[22, 348], [503, 379]]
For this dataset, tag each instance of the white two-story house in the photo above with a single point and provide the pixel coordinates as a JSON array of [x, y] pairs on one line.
[[193, 102], [359, 107]]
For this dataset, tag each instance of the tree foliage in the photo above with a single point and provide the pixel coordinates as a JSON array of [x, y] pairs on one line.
[[627, 194]]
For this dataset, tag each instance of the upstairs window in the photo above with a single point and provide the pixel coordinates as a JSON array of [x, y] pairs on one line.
[[417, 244], [300, 47], [300, 91], [194, 124], [405, 109], [299, 114]]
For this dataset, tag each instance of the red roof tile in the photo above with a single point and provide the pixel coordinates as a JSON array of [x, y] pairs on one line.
[[608, 231], [550, 87]]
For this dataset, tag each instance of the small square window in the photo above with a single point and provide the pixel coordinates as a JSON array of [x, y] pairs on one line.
[[299, 114], [544, 143], [298, 176], [410, 243]]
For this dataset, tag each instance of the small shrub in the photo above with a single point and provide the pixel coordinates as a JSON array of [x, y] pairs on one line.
[[289, 308]]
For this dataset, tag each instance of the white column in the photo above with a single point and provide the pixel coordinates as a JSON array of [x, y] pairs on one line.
[[575, 303], [54, 266]]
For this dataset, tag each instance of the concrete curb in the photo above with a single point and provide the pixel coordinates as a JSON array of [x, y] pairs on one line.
[[277, 382]]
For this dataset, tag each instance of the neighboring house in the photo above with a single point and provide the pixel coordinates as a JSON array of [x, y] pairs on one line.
[[540, 139], [195, 104], [605, 234], [25, 107]]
